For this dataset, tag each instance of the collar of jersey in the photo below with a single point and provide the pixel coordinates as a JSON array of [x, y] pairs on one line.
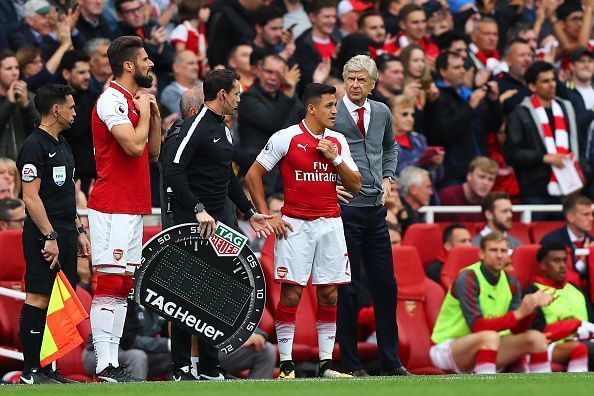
[[115, 85], [306, 131], [49, 137], [219, 118]]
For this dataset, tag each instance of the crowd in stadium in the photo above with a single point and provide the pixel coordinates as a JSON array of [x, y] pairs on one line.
[[491, 104]]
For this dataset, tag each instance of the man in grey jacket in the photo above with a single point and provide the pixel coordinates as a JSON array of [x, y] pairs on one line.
[[367, 126]]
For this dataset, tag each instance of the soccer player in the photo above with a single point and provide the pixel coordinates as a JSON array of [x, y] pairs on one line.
[[52, 230], [123, 120], [310, 237], [483, 325]]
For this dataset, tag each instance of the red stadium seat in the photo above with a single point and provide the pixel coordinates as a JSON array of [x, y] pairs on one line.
[[71, 365], [434, 295], [426, 238], [541, 228], [10, 312], [149, 232], [459, 257], [524, 265], [12, 259], [522, 232], [413, 328]]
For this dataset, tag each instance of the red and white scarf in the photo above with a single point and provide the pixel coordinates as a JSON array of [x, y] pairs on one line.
[[559, 144], [490, 61]]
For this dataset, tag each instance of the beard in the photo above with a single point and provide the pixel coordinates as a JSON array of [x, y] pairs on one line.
[[143, 81]]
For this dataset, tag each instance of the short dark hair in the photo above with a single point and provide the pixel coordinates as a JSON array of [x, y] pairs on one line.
[[409, 9], [445, 40], [274, 56], [492, 237], [531, 75], [49, 95], [6, 53], [567, 8], [489, 201], [514, 31], [449, 231], [217, 80], [547, 247], [573, 200], [319, 5], [382, 61], [9, 204], [123, 49], [188, 9], [118, 4], [443, 60], [511, 43], [263, 15], [365, 15], [71, 57], [314, 92]]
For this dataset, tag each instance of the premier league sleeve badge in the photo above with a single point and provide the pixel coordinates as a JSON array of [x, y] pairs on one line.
[[213, 287]]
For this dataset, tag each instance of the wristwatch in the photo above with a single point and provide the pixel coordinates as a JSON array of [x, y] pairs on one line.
[[392, 179], [52, 236], [199, 208], [250, 213], [81, 230]]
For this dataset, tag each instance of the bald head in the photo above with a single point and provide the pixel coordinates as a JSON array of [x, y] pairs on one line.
[[191, 101]]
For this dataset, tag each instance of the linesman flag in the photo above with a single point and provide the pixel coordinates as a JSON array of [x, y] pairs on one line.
[[64, 312]]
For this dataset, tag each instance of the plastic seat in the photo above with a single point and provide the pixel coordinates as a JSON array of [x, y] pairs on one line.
[[413, 327], [12, 259], [10, 312], [541, 228], [426, 238], [459, 257], [434, 296], [522, 232], [71, 365], [524, 263]]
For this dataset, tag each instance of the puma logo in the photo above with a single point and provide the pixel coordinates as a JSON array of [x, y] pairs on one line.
[[303, 146]]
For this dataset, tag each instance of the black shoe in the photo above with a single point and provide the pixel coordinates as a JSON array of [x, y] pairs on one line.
[[116, 374], [287, 370], [325, 371], [398, 371], [53, 374], [37, 376], [216, 374], [183, 375], [359, 373]]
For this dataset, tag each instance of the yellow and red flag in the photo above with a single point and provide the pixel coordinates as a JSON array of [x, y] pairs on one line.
[[64, 312]]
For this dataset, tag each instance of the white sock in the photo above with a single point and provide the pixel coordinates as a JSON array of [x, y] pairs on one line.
[[540, 363], [194, 367], [284, 334], [326, 338], [102, 319], [121, 307], [578, 360]]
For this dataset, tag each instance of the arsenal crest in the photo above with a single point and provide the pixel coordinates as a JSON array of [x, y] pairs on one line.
[[118, 254]]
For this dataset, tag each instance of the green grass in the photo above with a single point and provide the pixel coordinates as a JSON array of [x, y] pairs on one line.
[[501, 385]]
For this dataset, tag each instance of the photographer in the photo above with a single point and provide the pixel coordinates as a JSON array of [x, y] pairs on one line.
[[461, 117]]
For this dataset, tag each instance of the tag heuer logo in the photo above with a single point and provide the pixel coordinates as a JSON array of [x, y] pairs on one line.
[[226, 241]]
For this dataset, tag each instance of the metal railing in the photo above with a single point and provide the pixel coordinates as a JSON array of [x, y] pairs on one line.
[[525, 210]]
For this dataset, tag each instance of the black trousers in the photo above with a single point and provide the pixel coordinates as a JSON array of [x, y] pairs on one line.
[[368, 244], [181, 340]]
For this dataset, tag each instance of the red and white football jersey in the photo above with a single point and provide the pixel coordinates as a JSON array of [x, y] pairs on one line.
[[308, 177], [123, 181]]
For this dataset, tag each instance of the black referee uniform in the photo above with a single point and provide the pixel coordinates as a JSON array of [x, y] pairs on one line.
[[199, 172], [50, 160]]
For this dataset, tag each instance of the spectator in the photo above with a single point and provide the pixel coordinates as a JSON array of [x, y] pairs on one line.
[[461, 118], [318, 43], [16, 109], [479, 182], [454, 235], [91, 23], [506, 175], [239, 61], [455, 42], [415, 190], [483, 48], [372, 25], [413, 145], [439, 18], [101, 72], [10, 19], [275, 202], [518, 56], [541, 134], [229, 25], [12, 214], [270, 37], [413, 23], [185, 76], [577, 211], [282, 108], [524, 31], [296, 19], [349, 12], [395, 233], [416, 70], [10, 173], [497, 213], [76, 71], [390, 10], [568, 316], [190, 34], [466, 333], [154, 36], [390, 78], [5, 190], [36, 25], [572, 28], [143, 350]]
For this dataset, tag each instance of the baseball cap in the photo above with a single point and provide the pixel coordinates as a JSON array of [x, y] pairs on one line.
[[577, 54], [346, 6], [33, 7]]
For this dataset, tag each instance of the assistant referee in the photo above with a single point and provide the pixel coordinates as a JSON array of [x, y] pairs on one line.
[[52, 231]]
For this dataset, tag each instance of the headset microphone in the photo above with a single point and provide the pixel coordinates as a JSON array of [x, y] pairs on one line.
[[67, 122], [233, 107]]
